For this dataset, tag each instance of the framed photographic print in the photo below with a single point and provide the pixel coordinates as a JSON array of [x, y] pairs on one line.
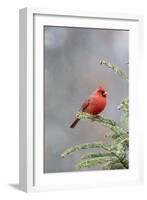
[[79, 114]]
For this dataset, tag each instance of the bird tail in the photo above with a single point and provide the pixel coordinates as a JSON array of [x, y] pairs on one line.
[[74, 123]]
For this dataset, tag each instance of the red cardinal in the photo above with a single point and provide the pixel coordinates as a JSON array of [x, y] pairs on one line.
[[94, 105]]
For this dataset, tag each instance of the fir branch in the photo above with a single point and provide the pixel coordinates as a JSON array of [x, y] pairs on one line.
[[115, 68], [122, 139], [116, 149], [113, 151], [120, 148], [120, 155], [124, 120], [95, 161], [85, 146], [126, 161], [111, 124], [112, 135], [124, 105], [94, 155], [113, 165]]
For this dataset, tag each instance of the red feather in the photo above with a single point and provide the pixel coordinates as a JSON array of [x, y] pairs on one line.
[[94, 105]]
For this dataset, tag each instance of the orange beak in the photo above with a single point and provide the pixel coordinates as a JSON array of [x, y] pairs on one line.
[[105, 93]]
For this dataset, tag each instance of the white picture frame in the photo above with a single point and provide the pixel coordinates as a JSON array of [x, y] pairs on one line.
[[31, 176]]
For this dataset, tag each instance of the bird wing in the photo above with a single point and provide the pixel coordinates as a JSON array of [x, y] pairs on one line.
[[85, 105]]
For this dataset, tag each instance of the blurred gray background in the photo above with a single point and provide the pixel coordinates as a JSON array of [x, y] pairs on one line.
[[72, 72]]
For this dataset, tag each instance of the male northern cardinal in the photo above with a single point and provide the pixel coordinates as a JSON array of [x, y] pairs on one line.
[[94, 105]]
